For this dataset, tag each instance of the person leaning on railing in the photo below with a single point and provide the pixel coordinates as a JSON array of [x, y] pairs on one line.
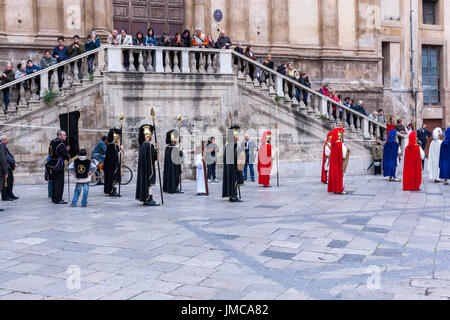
[[30, 69], [199, 40], [75, 49], [5, 77], [140, 42], [20, 73], [60, 54], [150, 41], [92, 43], [47, 61], [177, 42], [223, 42]]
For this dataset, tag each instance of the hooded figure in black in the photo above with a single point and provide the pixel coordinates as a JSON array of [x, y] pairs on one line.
[[232, 169], [146, 177], [111, 166], [173, 157]]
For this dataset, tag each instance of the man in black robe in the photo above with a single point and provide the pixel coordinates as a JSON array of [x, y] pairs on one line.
[[111, 166], [146, 177], [173, 157], [7, 192], [233, 178], [58, 152]]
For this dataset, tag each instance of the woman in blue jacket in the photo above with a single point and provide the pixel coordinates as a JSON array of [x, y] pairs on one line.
[[92, 43]]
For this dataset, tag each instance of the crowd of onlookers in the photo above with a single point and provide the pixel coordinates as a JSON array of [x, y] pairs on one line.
[[60, 53]]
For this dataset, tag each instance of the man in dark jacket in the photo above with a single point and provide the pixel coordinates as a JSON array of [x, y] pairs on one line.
[[7, 76], [60, 53], [92, 43], [75, 49], [423, 134], [7, 192], [3, 167], [58, 152], [223, 42], [240, 50]]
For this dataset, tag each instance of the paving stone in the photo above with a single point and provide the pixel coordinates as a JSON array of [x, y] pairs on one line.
[[359, 221], [374, 229], [387, 252], [278, 254], [338, 244], [351, 258]]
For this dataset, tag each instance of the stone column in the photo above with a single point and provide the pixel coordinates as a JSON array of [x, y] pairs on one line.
[[2, 19], [280, 22], [330, 24], [101, 16], [238, 20], [199, 14], [189, 14]]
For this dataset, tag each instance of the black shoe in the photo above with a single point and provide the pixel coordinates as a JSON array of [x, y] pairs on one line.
[[1, 210], [151, 203], [61, 202], [14, 197], [179, 191], [235, 200], [8, 199]]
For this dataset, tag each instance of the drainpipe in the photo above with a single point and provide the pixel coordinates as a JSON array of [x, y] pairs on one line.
[[413, 58]]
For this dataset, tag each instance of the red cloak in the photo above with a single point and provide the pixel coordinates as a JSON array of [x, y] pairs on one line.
[[336, 172], [265, 161], [412, 171], [324, 177]]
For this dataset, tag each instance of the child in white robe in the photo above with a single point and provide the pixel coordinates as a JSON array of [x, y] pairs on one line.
[[200, 175]]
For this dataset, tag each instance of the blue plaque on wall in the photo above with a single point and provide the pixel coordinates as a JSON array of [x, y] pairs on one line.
[[218, 15]]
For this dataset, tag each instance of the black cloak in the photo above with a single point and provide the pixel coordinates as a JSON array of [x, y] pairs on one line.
[[232, 177], [111, 166], [172, 171], [146, 176]]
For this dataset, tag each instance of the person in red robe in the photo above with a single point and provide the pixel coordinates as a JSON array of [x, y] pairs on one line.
[[325, 158], [412, 171], [265, 160], [337, 156]]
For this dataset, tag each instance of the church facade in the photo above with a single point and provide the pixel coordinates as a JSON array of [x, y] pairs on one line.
[[390, 53]]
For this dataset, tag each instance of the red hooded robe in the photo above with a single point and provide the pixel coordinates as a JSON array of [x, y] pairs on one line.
[[412, 171], [336, 172], [324, 178], [265, 161]]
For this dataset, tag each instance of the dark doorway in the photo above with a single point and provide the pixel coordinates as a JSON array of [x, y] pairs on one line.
[[139, 15]]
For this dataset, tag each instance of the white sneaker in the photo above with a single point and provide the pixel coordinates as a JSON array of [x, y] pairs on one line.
[[209, 180], [215, 180]]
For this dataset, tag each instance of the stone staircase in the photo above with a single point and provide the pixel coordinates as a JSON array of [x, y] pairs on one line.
[[207, 92]]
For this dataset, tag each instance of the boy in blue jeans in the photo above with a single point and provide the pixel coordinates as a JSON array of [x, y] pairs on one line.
[[82, 168]]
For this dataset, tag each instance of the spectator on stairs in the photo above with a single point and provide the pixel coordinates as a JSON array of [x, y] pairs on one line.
[[177, 42], [240, 50], [20, 73], [223, 42], [150, 41], [186, 36], [251, 68], [360, 108], [75, 49], [140, 42], [164, 40], [304, 80], [294, 75], [30, 69], [325, 90], [334, 97], [47, 61], [60, 53], [6, 77], [125, 40], [92, 43]]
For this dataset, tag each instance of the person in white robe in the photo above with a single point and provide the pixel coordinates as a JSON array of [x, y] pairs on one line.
[[433, 156], [200, 175]]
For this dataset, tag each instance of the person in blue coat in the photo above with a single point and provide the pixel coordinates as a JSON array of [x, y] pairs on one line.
[[444, 158], [391, 156]]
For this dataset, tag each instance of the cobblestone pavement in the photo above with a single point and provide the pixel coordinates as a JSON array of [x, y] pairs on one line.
[[292, 242]]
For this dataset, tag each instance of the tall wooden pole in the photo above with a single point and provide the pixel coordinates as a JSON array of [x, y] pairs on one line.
[[179, 146], [157, 158], [120, 145]]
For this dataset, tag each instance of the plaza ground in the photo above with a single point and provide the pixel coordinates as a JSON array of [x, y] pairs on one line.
[[292, 242]]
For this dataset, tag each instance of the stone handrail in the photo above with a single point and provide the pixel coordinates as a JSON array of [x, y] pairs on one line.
[[53, 67]]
